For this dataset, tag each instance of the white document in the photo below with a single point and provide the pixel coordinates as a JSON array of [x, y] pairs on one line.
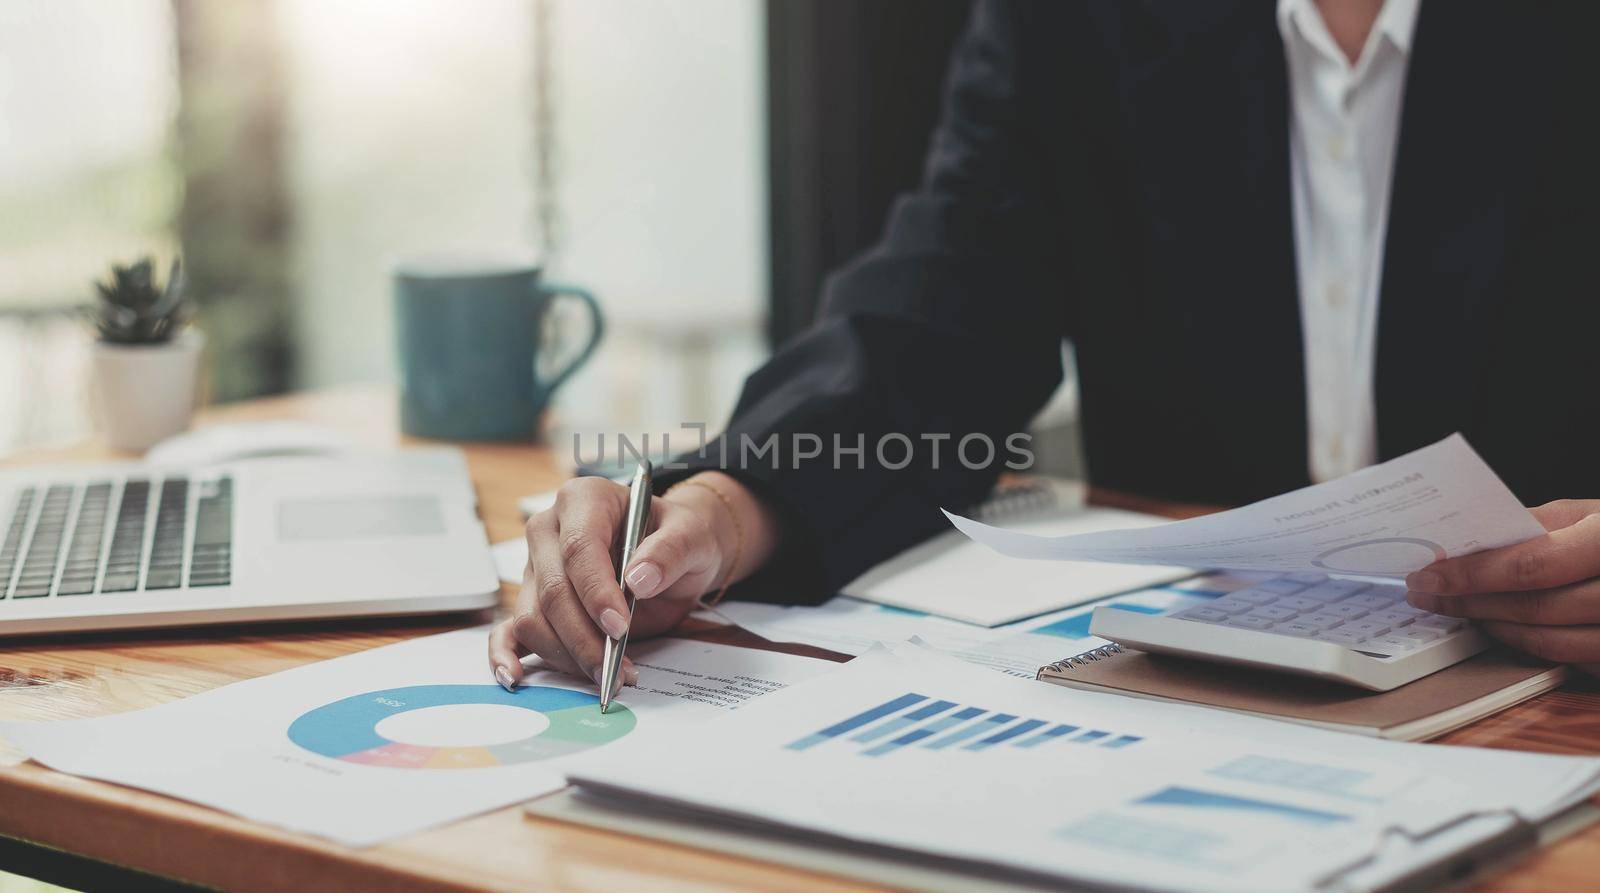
[[852, 626], [953, 577], [393, 740], [922, 753], [1441, 501]]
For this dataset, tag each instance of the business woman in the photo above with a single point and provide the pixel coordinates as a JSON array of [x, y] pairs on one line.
[[1288, 238]]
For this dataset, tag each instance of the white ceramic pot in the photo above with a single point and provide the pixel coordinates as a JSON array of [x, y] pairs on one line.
[[144, 393]]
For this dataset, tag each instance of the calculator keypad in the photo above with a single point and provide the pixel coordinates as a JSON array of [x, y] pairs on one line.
[[1371, 617]]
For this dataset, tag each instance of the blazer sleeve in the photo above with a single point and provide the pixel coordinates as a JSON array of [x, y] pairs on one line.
[[947, 332]]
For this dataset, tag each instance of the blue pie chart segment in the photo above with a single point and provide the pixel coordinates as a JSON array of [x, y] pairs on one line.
[[347, 729]]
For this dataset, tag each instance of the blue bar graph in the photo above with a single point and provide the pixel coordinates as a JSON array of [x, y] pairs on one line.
[[937, 724], [857, 721], [993, 722], [1049, 734], [927, 731], [890, 726], [1021, 728]]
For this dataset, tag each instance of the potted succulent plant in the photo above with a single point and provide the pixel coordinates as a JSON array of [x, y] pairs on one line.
[[146, 363]]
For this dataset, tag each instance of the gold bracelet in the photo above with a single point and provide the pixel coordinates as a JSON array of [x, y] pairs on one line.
[[738, 533]]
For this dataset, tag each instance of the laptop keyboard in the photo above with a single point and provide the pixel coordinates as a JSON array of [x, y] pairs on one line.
[[100, 537]]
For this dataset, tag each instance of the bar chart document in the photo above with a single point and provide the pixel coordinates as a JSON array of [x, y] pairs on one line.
[[916, 752], [397, 739], [1441, 501]]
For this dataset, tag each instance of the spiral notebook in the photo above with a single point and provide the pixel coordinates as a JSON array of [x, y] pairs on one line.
[[1426, 708]]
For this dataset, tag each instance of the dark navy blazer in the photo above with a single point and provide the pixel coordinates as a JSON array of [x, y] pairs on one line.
[[1116, 172]]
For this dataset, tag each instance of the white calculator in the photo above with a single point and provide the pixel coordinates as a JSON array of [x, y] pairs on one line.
[[1356, 632]]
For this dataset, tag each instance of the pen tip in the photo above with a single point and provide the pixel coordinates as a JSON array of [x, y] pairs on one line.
[[605, 706]]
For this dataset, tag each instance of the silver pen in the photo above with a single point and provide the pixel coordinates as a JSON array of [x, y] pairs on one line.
[[633, 531]]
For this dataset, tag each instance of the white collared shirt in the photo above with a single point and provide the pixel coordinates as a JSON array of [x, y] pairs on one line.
[[1344, 126]]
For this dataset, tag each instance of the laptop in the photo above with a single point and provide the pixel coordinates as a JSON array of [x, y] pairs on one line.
[[137, 545]]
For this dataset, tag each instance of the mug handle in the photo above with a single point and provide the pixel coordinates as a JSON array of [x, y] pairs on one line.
[[556, 290]]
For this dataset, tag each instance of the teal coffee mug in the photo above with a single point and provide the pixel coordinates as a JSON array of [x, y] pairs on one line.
[[471, 331]]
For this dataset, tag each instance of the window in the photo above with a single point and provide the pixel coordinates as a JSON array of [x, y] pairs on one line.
[[87, 97], [395, 125]]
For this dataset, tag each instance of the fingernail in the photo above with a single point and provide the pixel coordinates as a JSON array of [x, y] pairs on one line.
[[612, 621], [1424, 581], [644, 578], [630, 675], [1423, 601], [502, 676]]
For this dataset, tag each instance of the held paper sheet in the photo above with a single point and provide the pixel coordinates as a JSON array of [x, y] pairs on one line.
[[393, 740], [1441, 501]]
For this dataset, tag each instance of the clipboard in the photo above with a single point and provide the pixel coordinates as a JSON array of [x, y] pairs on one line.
[[1465, 850]]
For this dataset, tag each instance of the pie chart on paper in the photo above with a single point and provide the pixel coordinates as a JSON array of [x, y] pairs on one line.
[[1384, 555], [459, 726]]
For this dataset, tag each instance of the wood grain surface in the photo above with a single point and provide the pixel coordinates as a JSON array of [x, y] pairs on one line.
[[92, 675]]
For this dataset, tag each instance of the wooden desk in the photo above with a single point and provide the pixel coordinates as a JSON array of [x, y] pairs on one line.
[[59, 678]]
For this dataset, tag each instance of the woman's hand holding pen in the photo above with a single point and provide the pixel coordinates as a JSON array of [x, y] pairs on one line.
[[700, 537]]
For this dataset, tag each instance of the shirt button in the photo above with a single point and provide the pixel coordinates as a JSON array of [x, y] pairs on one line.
[[1335, 295], [1336, 449]]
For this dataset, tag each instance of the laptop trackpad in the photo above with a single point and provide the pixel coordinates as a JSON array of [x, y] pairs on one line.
[[359, 517]]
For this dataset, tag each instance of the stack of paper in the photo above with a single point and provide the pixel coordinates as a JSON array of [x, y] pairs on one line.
[[916, 752]]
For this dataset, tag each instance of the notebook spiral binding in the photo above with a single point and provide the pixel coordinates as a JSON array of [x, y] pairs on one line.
[[1079, 660]]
